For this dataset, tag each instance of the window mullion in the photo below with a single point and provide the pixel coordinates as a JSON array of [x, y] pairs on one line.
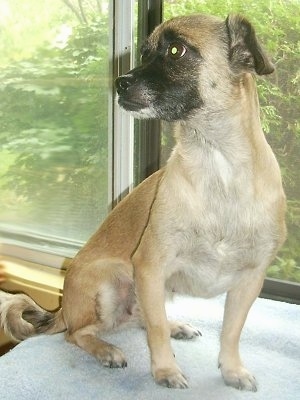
[[148, 133], [122, 141]]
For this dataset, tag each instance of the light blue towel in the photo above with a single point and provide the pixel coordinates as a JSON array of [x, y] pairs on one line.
[[46, 367]]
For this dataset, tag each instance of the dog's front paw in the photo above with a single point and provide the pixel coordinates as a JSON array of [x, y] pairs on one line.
[[239, 378], [183, 331], [170, 378]]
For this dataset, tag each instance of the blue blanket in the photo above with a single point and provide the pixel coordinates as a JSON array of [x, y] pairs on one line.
[[46, 367]]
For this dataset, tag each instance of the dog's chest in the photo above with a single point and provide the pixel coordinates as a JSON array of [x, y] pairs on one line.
[[208, 257], [218, 232]]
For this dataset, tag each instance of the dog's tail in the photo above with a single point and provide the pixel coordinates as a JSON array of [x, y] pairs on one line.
[[21, 317]]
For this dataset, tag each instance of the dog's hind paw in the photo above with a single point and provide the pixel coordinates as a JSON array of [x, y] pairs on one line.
[[183, 331], [112, 357], [240, 379], [171, 379]]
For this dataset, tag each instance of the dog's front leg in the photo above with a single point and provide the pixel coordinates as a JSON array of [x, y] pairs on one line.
[[238, 303], [150, 289]]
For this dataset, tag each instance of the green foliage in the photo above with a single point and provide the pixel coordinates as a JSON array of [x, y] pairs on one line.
[[286, 269], [53, 135]]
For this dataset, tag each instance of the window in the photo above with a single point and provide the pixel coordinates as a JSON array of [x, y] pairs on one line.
[[68, 153], [63, 160], [54, 122]]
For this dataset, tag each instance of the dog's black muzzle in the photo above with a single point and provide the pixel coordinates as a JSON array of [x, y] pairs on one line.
[[132, 91], [123, 83]]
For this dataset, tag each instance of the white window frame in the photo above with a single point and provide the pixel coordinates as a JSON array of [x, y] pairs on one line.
[[122, 56]]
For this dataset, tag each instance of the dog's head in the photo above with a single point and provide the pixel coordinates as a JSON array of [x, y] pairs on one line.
[[188, 62]]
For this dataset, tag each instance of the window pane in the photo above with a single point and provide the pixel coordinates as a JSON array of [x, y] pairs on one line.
[[54, 120], [277, 24]]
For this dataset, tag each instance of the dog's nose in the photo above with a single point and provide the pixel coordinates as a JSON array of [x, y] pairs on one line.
[[123, 82]]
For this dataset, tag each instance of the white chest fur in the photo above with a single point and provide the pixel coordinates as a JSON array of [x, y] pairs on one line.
[[216, 230], [223, 167]]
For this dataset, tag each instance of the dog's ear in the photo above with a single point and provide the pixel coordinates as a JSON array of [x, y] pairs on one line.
[[245, 51]]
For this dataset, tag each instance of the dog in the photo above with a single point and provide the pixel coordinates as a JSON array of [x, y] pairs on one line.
[[207, 223]]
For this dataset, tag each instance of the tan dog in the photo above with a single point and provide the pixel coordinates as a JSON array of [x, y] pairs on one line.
[[209, 222]]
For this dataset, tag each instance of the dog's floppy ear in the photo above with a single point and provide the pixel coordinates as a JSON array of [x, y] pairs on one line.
[[245, 51]]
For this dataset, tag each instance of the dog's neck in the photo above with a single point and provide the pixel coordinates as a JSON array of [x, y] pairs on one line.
[[228, 145], [234, 129]]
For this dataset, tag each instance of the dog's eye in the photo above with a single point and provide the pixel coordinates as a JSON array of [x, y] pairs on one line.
[[176, 50]]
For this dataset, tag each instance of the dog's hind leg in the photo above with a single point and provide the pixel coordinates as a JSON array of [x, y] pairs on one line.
[[101, 301], [182, 331], [109, 355]]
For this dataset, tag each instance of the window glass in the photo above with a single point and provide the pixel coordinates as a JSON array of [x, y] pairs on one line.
[[277, 24], [54, 89]]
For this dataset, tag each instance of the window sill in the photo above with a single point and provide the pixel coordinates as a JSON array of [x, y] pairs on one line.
[[276, 289]]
